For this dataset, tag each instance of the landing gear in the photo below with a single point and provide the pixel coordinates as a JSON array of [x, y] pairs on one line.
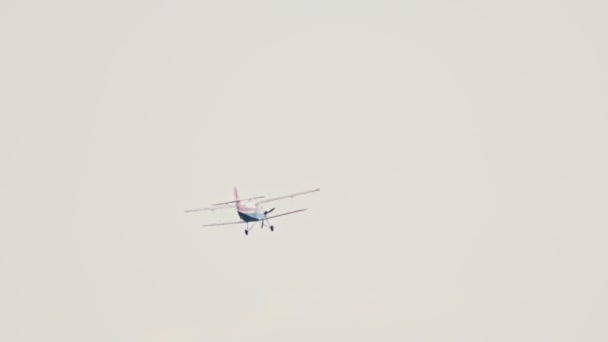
[[271, 226], [262, 226]]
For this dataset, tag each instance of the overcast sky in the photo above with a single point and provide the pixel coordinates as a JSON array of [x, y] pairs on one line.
[[460, 148]]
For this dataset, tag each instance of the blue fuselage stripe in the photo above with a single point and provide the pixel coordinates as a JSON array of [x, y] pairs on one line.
[[251, 217]]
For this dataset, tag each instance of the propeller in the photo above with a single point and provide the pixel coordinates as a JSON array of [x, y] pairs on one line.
[[269, 211]]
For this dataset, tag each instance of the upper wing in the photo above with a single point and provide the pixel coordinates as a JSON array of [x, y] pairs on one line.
[[222, 224], [240, 200], [215, 207], [287, 196], [287, 213], [223, 205]]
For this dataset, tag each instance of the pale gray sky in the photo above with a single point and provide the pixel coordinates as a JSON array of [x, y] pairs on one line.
[[460, 147]]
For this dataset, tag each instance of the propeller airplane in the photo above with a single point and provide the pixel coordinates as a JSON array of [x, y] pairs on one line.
[[251, 212]]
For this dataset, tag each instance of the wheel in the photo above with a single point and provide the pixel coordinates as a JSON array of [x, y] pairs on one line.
[[272, 228], [246, 232]]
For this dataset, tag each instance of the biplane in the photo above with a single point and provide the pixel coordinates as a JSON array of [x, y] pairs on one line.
[[252, 212]]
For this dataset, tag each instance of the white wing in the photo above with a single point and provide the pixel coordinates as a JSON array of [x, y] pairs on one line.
[[287, 196], [287, 213], [222, 224], [215, 207], [223, 205], [239, 222], [240, 200]]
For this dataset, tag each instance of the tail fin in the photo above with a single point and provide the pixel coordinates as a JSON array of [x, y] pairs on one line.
[[236, 198]]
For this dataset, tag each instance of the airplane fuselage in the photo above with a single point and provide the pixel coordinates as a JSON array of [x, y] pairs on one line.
[[251, 216]]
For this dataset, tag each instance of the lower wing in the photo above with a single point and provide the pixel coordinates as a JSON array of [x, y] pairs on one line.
[[239, 222], [222, 224], [287, 213]]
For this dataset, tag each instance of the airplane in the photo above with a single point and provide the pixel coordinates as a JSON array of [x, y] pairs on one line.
[[251, 212]]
